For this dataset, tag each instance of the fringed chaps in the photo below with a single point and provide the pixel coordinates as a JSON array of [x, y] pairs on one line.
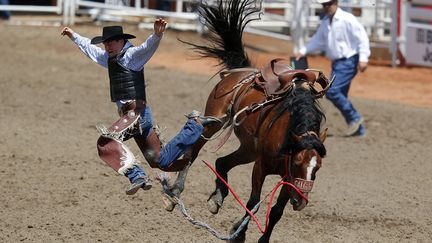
[[110, 144]]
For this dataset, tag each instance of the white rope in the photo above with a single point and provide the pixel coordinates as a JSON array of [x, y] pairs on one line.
[[201, 224]]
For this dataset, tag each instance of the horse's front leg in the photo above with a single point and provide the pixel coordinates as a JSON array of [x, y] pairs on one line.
[[276, 213], [243, 155], [258, 177]]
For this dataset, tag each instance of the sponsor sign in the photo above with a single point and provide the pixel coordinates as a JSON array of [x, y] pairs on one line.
[[419, 44]]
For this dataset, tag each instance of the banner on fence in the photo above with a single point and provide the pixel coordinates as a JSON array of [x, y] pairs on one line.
[[419, 41]]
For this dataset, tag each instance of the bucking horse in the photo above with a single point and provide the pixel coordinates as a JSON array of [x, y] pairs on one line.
[[272, 110]]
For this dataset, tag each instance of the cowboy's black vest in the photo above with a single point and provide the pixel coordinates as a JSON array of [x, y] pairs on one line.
[[125, 84]]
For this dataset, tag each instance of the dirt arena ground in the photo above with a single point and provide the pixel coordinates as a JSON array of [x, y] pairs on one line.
[[55, 188]]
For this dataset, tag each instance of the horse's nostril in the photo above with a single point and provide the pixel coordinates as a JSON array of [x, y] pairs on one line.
[[294, 201]]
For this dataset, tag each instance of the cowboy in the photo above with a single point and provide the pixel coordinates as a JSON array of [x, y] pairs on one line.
[[346, 44], [125, 64]]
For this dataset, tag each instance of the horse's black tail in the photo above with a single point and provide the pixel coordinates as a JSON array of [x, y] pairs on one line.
[[226, 21]]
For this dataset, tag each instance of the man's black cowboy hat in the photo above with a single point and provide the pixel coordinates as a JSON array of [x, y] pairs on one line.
[[111, 33]]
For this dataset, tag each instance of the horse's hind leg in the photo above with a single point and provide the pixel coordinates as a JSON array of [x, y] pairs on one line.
[[224, 164], [275, 213], [178, 186]]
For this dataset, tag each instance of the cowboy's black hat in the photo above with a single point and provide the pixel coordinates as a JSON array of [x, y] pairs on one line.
[[111, 33]]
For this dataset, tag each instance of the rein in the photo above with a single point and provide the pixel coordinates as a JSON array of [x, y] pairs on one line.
[[252, 212]]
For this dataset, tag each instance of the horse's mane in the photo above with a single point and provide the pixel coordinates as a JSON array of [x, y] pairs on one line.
[[226, 21], [305, 115]]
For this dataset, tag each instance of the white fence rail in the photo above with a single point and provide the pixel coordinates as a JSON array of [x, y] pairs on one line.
[[58, 9], [294, 20]]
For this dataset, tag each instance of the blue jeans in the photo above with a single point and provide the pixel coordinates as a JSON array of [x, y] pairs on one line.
[[345, 70], [175, 148], [4, 14]]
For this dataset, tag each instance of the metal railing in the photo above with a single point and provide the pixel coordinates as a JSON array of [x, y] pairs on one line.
[[294, 20]]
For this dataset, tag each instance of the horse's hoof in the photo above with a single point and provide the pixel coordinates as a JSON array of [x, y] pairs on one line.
[[263, 240], [239, 239], [168, 202], [213, 206]]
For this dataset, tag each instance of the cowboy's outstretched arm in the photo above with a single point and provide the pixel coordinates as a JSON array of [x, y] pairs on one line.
[[145, 51], [94, 52]]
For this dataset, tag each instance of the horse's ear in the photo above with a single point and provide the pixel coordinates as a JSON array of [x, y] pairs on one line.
[[323, 135]]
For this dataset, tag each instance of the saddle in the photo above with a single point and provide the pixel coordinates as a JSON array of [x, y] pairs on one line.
[[277, 78]]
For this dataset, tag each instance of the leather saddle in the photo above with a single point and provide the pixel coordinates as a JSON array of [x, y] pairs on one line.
[[278, 78]]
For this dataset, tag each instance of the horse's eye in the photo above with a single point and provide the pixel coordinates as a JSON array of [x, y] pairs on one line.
[[298, 159]]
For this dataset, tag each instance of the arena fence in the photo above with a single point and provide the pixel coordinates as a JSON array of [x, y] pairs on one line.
[[58, 8], [392, 24]]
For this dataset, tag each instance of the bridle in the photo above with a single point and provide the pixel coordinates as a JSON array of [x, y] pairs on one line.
[[301, 186]]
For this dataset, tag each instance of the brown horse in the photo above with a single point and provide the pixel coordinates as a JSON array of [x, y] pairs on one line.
[[273, 112]]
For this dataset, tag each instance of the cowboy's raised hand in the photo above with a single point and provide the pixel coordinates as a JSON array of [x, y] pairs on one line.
[[159, 26], [67, 31]]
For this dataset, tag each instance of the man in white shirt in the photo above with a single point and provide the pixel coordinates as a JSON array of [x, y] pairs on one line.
[[125, 64], [345, 42]]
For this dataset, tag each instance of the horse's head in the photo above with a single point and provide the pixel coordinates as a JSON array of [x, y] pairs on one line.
[[303, 162]]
